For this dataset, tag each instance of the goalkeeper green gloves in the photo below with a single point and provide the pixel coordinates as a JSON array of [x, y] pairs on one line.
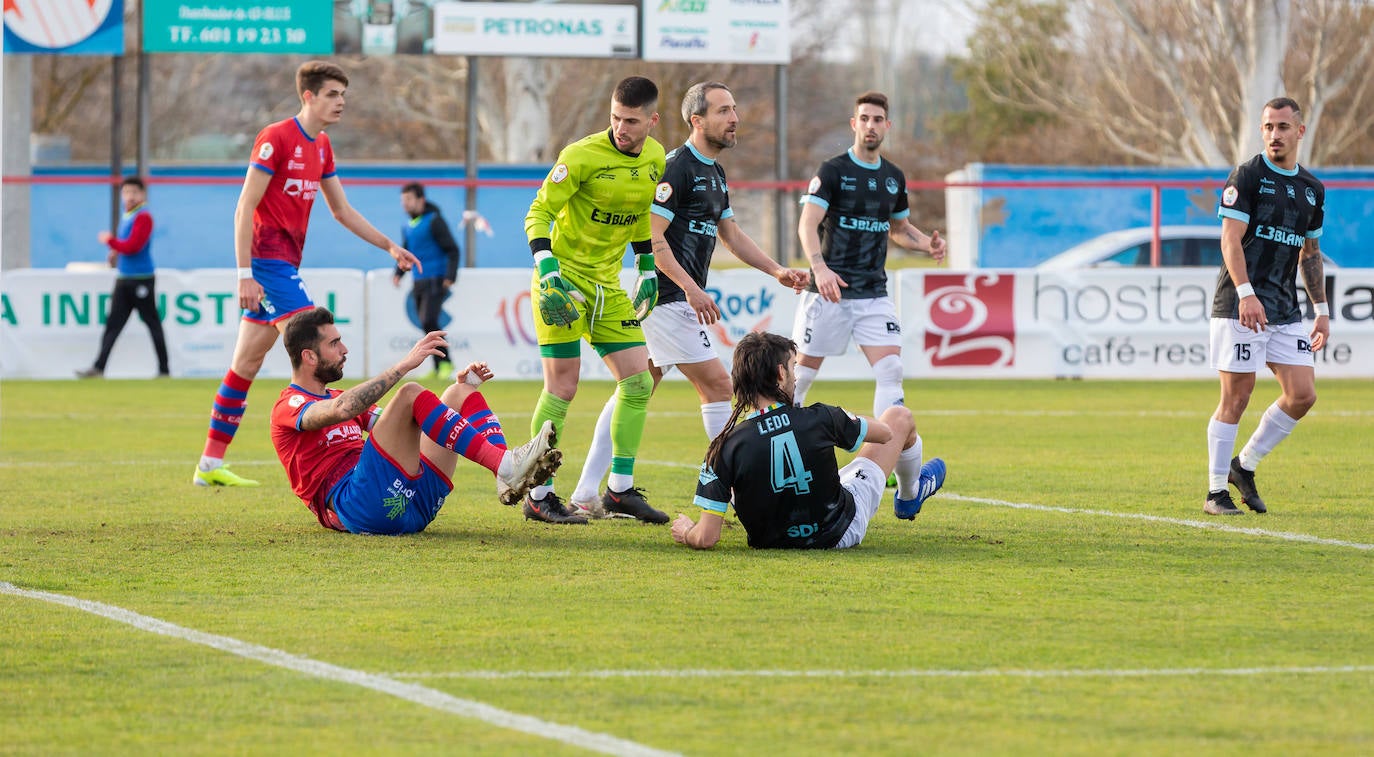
[[555, 296], [646, 286]]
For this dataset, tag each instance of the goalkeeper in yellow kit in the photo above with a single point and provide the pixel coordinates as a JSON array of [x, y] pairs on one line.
[[593, 203]]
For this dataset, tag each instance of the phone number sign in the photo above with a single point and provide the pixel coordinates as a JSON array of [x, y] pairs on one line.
[[238, 26]]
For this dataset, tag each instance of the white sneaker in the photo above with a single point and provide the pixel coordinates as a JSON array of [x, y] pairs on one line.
[[589, 506], [531, 465]]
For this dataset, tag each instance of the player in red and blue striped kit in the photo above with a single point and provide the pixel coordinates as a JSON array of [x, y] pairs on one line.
[[292, 163], [395, 480]]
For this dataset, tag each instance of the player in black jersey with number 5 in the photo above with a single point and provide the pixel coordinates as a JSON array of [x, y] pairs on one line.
[[1271, 217], [853, 206], [775, 462]]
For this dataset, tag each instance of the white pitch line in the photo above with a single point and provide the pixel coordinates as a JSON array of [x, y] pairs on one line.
[[421, 695], [486, 675], [1212, 525]]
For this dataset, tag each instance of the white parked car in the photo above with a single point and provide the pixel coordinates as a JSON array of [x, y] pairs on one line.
[[1189, 245], [1178, 246]]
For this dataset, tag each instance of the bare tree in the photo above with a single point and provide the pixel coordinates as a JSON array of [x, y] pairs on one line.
[[1181, 82]]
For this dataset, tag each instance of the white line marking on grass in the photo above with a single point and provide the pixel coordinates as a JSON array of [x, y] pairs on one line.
[[427, 697], [985, 673], [1215, 526]]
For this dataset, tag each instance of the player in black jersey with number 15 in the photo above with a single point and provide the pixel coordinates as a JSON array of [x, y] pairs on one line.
[[775, 462], [1271, 217]]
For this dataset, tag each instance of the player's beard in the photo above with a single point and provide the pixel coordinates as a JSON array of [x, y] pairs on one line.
[[328, 373], [722, 141]]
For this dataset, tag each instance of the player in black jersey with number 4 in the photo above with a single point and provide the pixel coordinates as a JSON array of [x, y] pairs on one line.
[[776, 462], [853, 206], [1271, 217]]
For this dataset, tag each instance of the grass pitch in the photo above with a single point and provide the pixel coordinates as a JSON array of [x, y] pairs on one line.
[[1063, 594]]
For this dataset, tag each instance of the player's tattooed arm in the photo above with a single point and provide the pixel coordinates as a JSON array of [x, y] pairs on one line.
[[1310, 266], [355, 401], [351, 403]]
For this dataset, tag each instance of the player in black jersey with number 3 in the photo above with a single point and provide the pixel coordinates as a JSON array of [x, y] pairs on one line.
[[1271, 217], [776, 462]]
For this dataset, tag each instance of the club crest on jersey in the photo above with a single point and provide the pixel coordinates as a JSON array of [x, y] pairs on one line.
[[265, 151], [1311, 196], [663, 192], [1229, 196], [559, 173], [891, 186]]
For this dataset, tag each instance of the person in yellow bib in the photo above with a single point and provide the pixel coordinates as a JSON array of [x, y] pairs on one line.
[[593, 203]]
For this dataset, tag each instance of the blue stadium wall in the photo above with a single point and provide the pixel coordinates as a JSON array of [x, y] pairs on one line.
[[1022, 226], [193, 218], [193, 209]]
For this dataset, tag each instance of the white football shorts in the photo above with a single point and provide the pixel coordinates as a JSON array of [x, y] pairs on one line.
[[674, 336], [866, 481], [823, 329], [1237, 349]]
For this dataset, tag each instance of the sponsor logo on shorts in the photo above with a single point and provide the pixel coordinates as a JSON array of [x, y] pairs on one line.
[[802, 530]]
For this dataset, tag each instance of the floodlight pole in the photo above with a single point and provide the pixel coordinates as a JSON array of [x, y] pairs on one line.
[[470, 165], [781, 206], [145, 102], [116, 126]]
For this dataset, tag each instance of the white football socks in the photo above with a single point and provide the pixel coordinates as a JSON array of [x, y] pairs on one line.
[[805, 378], [1274, 427], [888, 389], [908, 470], [1221, 440], [598, 457]]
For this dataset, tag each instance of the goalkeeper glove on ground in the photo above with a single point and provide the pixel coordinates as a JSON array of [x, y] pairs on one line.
[[555, 296], [646, 286]]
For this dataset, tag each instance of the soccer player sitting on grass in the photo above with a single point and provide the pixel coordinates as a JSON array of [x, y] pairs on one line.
[[395, 481], [776, 462]]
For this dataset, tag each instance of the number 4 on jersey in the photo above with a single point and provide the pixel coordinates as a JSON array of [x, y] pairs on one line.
[[789, 470]]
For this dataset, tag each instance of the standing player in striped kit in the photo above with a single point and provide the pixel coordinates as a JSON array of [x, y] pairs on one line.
[[292, 162]]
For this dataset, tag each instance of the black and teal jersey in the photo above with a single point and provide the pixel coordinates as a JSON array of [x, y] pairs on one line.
[[860, 200], [593, 203], [1282, 209], [693, 196], [779, 465]]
